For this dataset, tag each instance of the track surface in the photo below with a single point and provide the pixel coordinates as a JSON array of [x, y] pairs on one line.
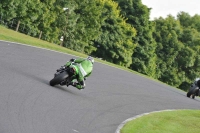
[[28, 104]]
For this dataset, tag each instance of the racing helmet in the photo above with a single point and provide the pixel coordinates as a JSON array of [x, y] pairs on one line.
[[90, 58]]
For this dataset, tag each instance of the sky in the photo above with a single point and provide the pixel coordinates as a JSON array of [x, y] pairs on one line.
[[165, 7]]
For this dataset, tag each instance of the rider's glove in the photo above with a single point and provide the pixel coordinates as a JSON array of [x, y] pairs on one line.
[[63, 67]]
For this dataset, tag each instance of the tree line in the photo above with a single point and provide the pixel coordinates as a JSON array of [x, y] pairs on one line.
[[118, 31]]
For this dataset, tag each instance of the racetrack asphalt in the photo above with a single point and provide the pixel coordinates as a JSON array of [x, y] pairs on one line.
[[28, 104]]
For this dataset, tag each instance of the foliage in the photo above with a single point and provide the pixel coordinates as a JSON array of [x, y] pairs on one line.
[[87, 27], [177, 50], [168, 49], [115, 42], [144, 57]]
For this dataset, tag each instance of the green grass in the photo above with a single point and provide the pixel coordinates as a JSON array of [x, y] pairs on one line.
[[179, 121], [13, 36], [165, 122]]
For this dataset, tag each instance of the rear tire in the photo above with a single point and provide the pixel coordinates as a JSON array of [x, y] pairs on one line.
[[56, 80]]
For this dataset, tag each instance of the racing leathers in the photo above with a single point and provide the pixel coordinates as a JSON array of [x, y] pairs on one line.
[[197, 82], [84, 69]]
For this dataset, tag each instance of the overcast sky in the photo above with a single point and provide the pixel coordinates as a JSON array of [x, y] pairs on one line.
[[173, 7]]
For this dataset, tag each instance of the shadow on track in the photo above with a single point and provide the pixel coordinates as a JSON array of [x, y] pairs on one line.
[[64, 89], [46, 82]]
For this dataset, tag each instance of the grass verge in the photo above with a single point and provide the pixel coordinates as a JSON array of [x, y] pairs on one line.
[[13, 36], [179, 121]]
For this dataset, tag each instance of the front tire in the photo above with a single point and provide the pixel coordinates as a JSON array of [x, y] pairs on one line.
[[56, 80], [195, 93], [188, 94], [193, 96], [192, 92]]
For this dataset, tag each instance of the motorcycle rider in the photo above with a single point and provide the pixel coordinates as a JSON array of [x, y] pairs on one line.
[[80, 69], [197, 82]]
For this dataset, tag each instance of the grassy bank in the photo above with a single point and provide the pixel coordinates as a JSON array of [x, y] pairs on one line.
[[13, 36], [180, 121]]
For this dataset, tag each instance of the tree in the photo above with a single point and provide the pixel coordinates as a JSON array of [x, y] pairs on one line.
[[144, 57], [184, 18], [11, 6], [115, 42], [189, 59], [168, 50], [86, 26], [188, 21], [16, 9]]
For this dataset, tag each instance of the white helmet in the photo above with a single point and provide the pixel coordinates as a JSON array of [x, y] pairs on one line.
[[91, 59]]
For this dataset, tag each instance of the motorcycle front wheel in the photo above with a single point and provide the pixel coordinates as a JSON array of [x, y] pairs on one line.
[[192, 92]]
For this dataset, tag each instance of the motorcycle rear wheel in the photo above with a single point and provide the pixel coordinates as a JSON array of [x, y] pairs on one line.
[[56, 80]]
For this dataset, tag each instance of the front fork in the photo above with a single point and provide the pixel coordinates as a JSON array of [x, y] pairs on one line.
[[198, 93]]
